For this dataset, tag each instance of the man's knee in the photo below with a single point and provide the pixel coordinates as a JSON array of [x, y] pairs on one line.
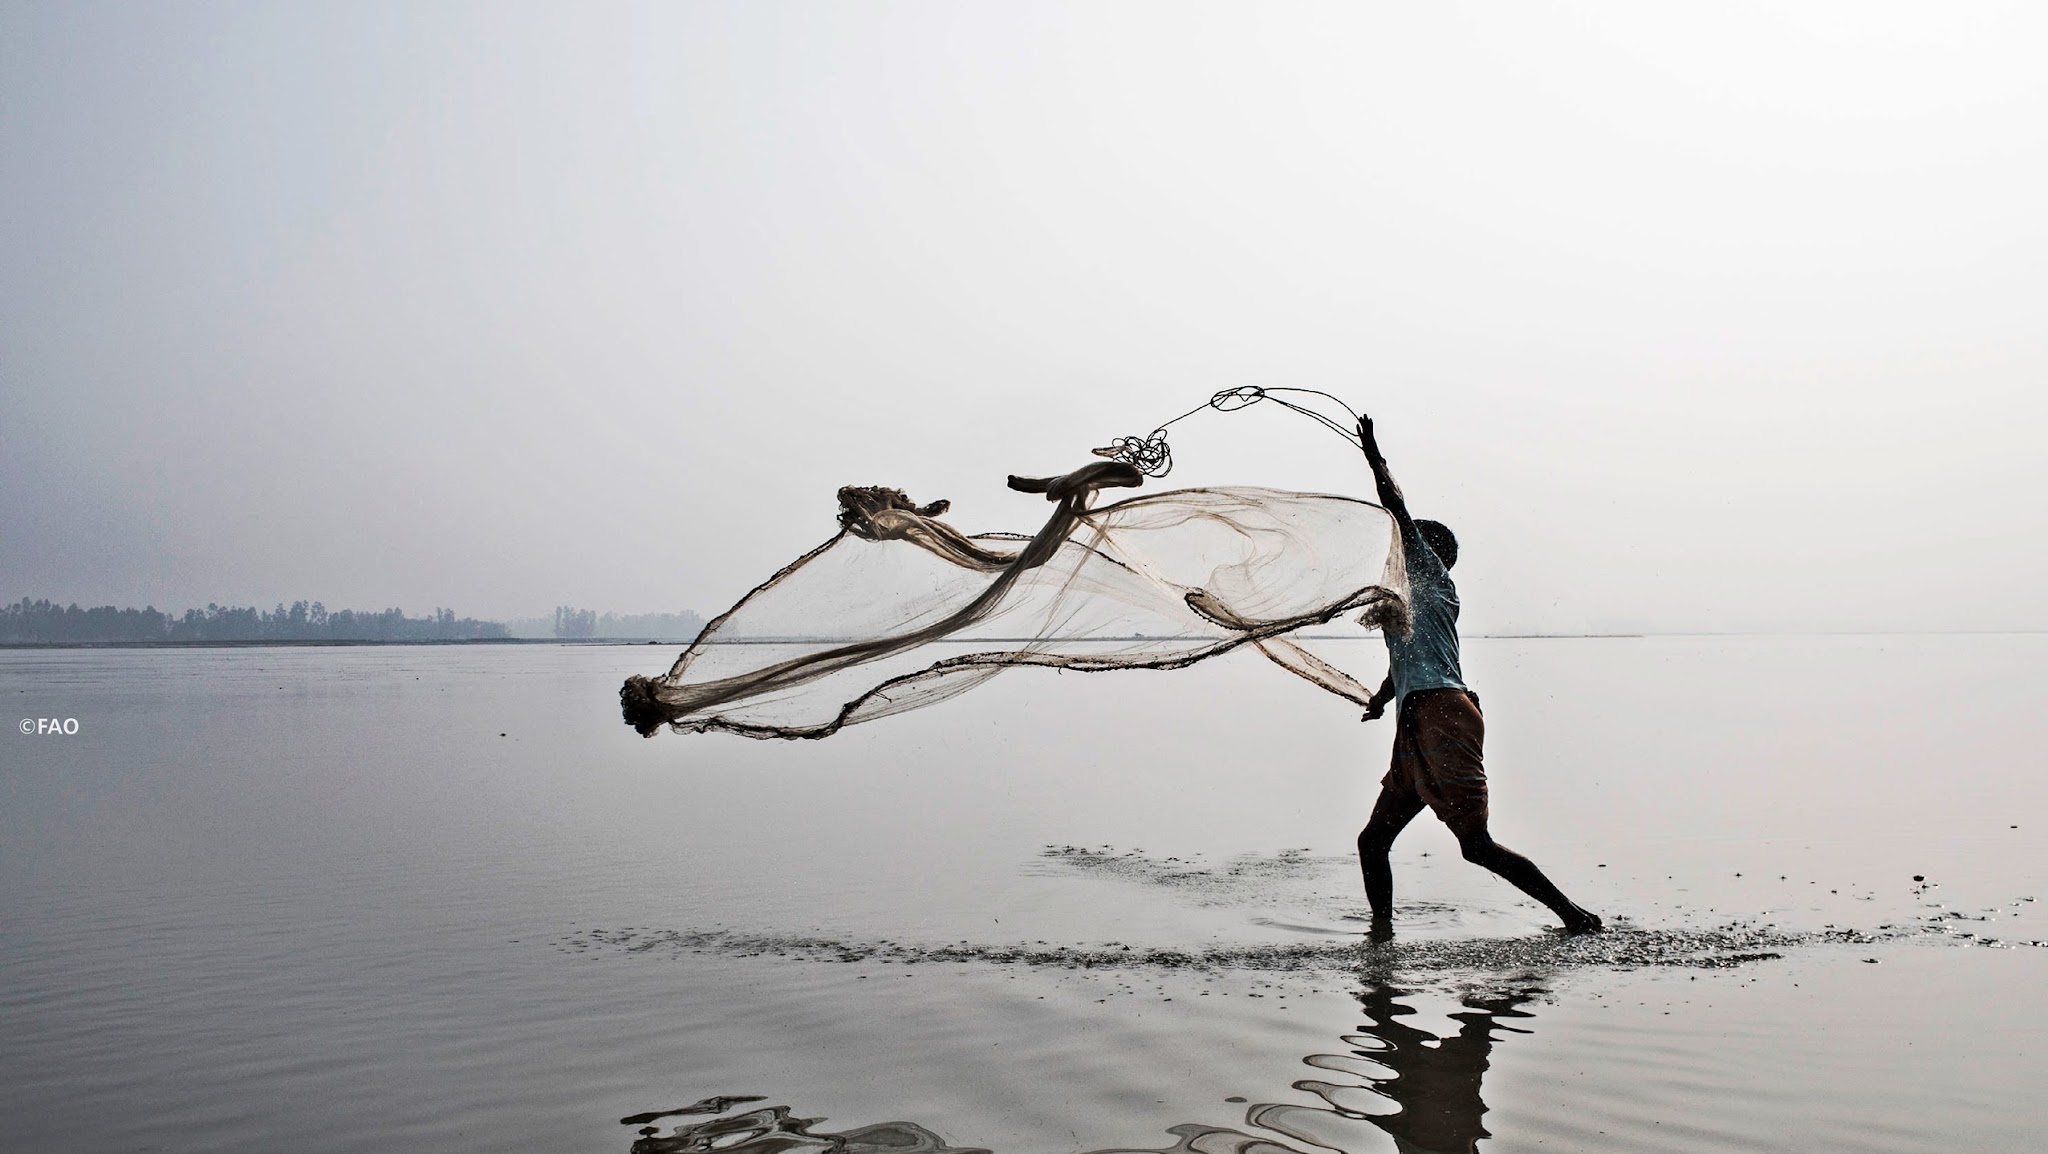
[[1478, 846], [1377, 838]]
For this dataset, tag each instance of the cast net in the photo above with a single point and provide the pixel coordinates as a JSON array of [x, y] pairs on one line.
[[899, 610]]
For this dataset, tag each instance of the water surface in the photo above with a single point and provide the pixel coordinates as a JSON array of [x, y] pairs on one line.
[[440, 898]]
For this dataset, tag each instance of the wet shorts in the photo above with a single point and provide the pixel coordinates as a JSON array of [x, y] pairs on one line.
[[1439, 741]]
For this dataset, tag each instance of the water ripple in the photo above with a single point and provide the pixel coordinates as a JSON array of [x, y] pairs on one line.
[[1421, 1089]]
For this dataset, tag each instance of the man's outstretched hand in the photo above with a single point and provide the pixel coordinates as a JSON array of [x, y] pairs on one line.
[[1376, 705], [1367, 441]]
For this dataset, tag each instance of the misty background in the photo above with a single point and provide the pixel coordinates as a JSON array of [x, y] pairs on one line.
[[1715, 316]]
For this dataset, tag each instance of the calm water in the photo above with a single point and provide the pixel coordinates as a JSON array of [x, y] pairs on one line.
[[440, 898]]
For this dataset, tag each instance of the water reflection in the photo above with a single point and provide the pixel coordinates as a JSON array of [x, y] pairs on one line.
[[1392, 1080], [1433, 1082], [771, 1130]]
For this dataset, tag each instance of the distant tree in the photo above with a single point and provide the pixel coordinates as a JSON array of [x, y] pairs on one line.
[[44, 621], [573, 623]]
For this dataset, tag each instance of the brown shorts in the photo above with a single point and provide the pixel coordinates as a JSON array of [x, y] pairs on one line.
[[1439, 742]]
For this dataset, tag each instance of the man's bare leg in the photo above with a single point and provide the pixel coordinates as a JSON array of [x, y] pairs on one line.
[[1480, 849], [1390, 815]]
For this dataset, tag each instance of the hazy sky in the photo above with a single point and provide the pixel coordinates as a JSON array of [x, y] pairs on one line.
[[1694, 316]]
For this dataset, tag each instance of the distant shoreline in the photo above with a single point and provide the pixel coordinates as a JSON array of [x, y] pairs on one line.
[[329, 643], [630, 641]]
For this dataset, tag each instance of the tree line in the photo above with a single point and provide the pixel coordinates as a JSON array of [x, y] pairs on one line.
[[46, 621], [571, 622]]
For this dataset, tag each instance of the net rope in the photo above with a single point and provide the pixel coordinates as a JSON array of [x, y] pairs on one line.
[[1152, 456]]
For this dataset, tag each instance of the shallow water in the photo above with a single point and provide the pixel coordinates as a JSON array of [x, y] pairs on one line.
[[412, 898]]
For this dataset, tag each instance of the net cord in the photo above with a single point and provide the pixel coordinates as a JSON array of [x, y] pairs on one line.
[[1152, 456]]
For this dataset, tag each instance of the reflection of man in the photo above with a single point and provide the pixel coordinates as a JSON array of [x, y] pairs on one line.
[[1438, 732], [1435, 1082]]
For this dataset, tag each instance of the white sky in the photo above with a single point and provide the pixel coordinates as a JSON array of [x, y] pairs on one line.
[[1684, 316]]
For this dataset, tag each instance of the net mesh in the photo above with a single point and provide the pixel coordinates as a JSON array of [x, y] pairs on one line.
[[899, 610]]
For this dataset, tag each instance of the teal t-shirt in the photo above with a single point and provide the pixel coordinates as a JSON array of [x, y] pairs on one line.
[[1428, 657]]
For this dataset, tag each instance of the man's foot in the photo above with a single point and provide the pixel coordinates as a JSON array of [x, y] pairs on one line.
[[1382, 930], [1582, 922]]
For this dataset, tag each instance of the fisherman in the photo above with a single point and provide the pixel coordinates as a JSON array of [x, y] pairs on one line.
[[1439, 733]]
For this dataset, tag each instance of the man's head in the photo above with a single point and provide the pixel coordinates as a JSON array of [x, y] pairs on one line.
[[1440, 539]]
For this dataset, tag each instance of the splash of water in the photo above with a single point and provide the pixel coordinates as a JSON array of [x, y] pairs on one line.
[[1718, 947]]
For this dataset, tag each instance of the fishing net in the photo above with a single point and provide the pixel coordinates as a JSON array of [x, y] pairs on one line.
[[899, 610]]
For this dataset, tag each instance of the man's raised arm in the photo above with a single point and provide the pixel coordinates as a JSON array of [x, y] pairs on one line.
[[1390, 493]]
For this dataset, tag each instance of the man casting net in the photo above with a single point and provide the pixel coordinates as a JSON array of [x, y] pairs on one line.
[[900, 610]]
